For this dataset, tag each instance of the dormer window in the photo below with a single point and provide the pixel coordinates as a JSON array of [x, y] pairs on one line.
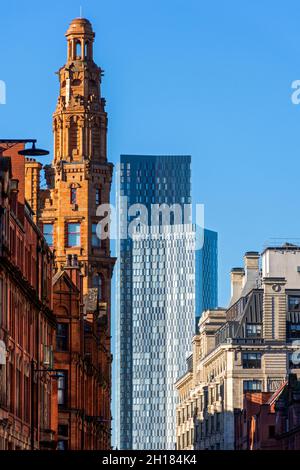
[[253, 330]]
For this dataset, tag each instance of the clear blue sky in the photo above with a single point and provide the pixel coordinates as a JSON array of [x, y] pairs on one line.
[[206, 78]]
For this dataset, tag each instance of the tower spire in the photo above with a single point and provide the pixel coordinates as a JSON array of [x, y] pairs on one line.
[[80, 120], [80, 37], [79, 181]]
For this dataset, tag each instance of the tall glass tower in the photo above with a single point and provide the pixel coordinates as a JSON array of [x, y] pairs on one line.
[[156, 302], [207, 274]]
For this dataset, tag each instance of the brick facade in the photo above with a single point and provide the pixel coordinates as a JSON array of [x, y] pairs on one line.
[[27, 325], [79, 180], [270, 421]]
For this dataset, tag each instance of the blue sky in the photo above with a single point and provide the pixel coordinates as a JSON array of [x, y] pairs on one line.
[[206, 78]]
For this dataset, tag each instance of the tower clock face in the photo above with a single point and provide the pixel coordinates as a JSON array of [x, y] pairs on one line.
[[276, 287]]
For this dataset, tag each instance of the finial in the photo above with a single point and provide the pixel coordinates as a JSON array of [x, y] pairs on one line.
[[80, 11]]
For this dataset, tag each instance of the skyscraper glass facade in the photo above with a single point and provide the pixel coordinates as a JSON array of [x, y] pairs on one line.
[[156, 303], [207, 274]]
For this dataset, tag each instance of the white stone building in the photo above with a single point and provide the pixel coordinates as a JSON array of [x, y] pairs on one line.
[[247, 347]]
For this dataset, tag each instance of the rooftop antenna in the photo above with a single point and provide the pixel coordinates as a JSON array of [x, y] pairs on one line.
[[80, 11]]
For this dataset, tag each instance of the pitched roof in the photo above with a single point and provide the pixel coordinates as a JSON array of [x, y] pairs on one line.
[[277, 394], [68, 280]]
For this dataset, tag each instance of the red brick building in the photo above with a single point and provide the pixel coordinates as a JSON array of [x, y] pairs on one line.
[[287, 416], [27, 324], [68, 405], [254, 425], [270, 421], [79, 362], [78, 182]]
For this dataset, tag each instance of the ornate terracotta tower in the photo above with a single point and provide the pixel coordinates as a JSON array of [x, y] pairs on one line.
[[80, 177], [78, 181]]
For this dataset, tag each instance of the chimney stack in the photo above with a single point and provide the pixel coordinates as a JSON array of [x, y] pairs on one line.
[[251, 261], [237, 276], [32, 185]]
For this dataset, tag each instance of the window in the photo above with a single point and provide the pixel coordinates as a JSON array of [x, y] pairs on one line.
[[206, 427], [62, 337], [293, 330], [253, 330], [63, 434], [212, 423], [98, 282], [73, 195], [271, 431], [294, 303], [48, 233], [252, 385], [218, 423], [62, 388], [18, 393], [201, 429], [73, 234], [96, 242], [98, 196], [205, 398], [62, 445], [26, 399], [77, 50], [251, 360]]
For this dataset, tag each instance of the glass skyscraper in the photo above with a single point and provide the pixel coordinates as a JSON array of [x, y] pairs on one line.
[[207, 274], [156, 302]]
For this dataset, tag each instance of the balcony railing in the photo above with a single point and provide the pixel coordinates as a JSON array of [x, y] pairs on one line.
[[245, 341]]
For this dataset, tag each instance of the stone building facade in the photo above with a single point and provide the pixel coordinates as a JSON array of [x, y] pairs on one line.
[[78, 181], [247, 347], [27, 325]]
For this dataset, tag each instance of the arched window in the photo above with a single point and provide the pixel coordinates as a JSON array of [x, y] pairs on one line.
[[76, 82], [73, 138], [73, 195], [77, 50]]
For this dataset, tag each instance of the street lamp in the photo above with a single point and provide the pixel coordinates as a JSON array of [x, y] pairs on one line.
[[32, 152]]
